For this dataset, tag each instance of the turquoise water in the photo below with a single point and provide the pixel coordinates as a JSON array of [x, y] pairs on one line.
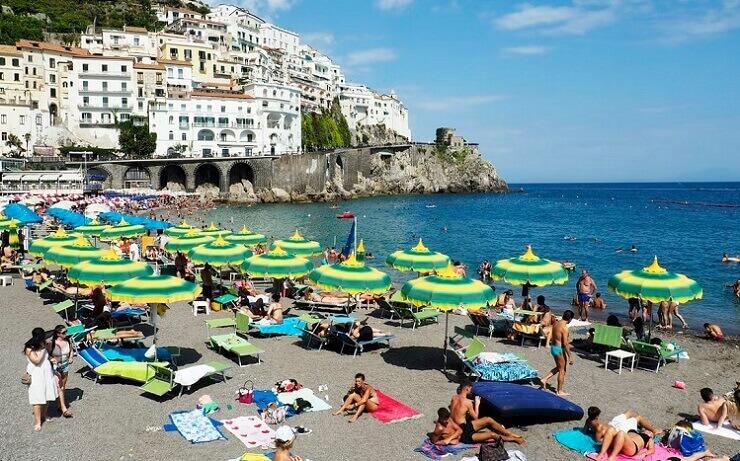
[[688, 226]]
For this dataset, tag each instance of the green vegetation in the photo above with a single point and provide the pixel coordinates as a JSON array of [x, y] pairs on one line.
[[449, 155], [16, 146], [135, 139], [327, 129], [70, 17], [97, 152]]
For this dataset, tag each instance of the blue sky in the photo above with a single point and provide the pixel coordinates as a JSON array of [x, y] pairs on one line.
[[559, 91]]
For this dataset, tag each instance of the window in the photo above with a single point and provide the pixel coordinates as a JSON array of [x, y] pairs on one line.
[[16, 62], [141, 92], [105, 86], [85, 67], [4, 136], [105, 118], [223, 121], [202, 67], [125, 117], [105, 101], [172, 119], [23, 119], [184, 120], [124, 102], [224, 152], [52, 78], [53, 92], [179, 73], [85, 101], [124, 86], [3, 119], [30, 58], [104, 67], [223, 109], [169, 72], [2, 77], [86, 117], [2, 61], [171, 135], [184, 137], [188, 55], [52, 63], [34, 71], [202, 55], [124, 69], [141, 105], [136, 41], [84, 85]]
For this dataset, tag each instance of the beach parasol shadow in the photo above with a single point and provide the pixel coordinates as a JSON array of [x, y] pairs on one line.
[[415, 357]]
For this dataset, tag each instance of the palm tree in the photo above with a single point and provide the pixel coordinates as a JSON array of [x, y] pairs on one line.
[[15, 145], [27, 137]]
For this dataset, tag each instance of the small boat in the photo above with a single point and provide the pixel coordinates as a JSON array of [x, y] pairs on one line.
[[346, 215]]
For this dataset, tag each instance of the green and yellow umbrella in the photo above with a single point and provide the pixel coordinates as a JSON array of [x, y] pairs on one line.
[[123, 229], [447, 290], [350, 276], [299, 246], [247, 238], [187, 242], [277, 263], [219, 253], [154, 289], [214, 231], [110, 269], [419, 258], [529, 269], [180, 230], [6, 223], [75, 252], [40, 246], [92, 229], [656, 284]]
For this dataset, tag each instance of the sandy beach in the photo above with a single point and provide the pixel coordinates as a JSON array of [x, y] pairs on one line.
[[114, 421]]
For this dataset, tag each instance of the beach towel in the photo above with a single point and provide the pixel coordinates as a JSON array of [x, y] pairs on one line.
[[191, 375], [128, 312], [432, 451], [577, 440], [661, 453], [725, 431], [391, 410], [291, 326], [252, 431], [263, 398], [317, 404], [497, 357], [133, 354], [505, 371], [196, 427]]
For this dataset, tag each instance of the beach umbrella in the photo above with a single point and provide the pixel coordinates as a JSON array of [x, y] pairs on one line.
[[154, 290], [123, 229], [40, 246], [299, 246], [110, 269], [219, 253], [22, 213], [214, 231], [418, 258], [277, 263], [447, 290], [654, 283], [187, 242], [350, 276], [180, 230], [75, 252], [92, 229], [529, 269], [246, 237], [5, 222]]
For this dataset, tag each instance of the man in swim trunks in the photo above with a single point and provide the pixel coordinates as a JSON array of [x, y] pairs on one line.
[[585, 287], [474, 429], [560, 351], [446, 431], [715, 409]]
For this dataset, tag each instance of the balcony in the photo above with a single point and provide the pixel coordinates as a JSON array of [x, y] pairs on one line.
[[105, 92], [107, 107], [84, 124], [110, 75]]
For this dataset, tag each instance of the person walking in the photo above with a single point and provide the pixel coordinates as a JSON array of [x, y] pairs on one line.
[[62, 356], [42, 389], [206, 278]]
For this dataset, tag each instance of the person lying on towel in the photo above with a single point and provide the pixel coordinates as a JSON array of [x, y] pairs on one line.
[[475, 429], [625, 434]]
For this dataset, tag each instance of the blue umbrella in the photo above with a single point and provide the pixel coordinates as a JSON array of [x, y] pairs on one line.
[[22, 213], [155, 224], [111, 216]]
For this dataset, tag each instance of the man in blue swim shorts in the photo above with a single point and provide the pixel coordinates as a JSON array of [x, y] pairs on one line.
[[585, 287], [560, 351]]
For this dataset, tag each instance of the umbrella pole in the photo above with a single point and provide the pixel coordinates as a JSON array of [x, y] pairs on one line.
[[444, 357], [153, 314]]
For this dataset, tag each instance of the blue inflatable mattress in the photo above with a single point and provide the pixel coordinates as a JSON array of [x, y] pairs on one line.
[[515, 403]]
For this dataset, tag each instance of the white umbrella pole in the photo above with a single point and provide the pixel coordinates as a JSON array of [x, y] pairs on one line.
[[447, 324], [153, 313]]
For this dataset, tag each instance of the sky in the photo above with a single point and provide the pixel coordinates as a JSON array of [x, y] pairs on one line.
[[554, 91]]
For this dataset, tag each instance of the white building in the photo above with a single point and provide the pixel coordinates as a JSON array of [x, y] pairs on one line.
[[243, 27], [168, 14], [42, 182], [362, 106], [135, 42], [279, 38]]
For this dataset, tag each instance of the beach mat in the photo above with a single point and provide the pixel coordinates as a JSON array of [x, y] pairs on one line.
[[391, 410], [317, 404], [196, 427], [263, 398], [252, 431], [725, 431], [576, 440], [432, 451], [661, 453], [291, 326]]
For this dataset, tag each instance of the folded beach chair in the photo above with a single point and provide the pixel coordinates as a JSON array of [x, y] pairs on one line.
[[385, 309], [481, 322], [467, 353], [63, 307], [348, 341], [654, 352], [417, 317], [163, 380], [236, 345]]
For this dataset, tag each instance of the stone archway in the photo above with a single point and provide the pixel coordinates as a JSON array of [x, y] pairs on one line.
[[173, 178], [241, 181], [208, 179], [137, 177], [98, 179]]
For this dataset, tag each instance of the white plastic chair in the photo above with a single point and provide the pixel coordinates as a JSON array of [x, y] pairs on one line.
[[201, 306]]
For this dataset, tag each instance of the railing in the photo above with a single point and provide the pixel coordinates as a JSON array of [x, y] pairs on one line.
[[105, 74]]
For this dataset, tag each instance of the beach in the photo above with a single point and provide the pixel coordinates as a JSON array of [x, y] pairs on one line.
[[114, 421]]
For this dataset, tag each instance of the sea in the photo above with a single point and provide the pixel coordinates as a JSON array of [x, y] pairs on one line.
[[688, 226]]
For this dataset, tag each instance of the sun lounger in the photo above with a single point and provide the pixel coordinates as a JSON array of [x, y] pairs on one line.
[[77, 334], [100, 366], [164, 380], [654, 352], [346, 307], [417, 317], [220, 322], [312, 321], [100, 337], [347, 341], [236, 345], [226, 300], [467, 353], [63, 307], [243, 324]]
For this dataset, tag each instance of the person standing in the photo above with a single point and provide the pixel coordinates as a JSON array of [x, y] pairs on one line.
[[62, 356], [585, 288], [206, 278], [284, 441], [42, 388], [560, 351], [134, 254]]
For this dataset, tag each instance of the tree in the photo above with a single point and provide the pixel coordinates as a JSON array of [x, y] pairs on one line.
[[136, 140], [338, 116], [16, 147], [308, 136]]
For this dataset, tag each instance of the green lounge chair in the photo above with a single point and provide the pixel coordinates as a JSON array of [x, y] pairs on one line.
[[220, 322], [63, 307], [236, 345], [655, 353], [242, 324], [417, 318], [309, 335], [359, 346], [100, 366], [605, 335], [163, 380], [467, 352], [225, 299], [385, 309]]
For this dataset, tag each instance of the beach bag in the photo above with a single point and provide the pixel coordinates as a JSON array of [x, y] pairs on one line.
[[493, 452], [288, 385], [26, 378], [246, 393], [274, 414], [300, 405], [691, 443]]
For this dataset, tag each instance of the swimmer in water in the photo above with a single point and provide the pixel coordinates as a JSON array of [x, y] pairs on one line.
[[633, 249], [444, 228], [619, 250]]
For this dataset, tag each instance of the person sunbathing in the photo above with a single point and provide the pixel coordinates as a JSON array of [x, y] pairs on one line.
[[465, 413], [446, 431], [714, 332], [361, 397], [361, 331], [628, 429], [716, 409], [311, 296]]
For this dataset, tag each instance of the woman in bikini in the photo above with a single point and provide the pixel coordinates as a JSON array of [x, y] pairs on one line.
[[361, 397], [62, 356]]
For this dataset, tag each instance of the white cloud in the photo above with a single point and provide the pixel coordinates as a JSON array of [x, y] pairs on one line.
[[575, 19], [370, 56], [697, 23], [528, 50], [392, 5], [459, 102], [321, 40]]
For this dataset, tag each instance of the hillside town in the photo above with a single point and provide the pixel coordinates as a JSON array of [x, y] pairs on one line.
[[222, 84]]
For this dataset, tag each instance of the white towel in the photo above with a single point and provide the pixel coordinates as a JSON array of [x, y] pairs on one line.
[[725, 431], [191, 375], [317, 404]]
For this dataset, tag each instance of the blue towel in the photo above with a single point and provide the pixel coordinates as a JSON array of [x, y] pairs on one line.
[[577, 440], [263, 398], [506, 371], [135, 354], [291, 326], [128, 312]]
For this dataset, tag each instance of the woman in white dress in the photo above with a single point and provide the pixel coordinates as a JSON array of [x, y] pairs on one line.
[[43, 388]]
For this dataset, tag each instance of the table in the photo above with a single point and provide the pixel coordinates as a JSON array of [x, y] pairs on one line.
[[6, 280], [621, 355]]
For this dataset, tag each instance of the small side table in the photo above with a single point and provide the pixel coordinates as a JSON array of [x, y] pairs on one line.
[[621, 355], [6, 280]]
